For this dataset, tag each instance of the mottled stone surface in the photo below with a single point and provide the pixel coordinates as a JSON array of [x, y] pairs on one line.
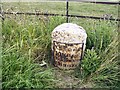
[[69, 33]]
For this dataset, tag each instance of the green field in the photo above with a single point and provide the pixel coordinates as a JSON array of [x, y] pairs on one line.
[[26, 43], [76, 8], [52, 0]]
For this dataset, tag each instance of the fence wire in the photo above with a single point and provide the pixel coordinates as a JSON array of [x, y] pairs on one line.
[[105, 17]]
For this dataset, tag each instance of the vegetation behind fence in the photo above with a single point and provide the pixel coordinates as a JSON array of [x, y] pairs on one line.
[[105, 16]]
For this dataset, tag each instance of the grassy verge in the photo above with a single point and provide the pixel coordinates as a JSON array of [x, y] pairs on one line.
[[27, 43], [24, 44]]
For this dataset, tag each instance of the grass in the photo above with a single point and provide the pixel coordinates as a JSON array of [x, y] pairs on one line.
[[49, 0], [76, 8], [101, 69], [101, 51], [22, 45], [107, 74], [0, 54], [27, 42], [19, 72]]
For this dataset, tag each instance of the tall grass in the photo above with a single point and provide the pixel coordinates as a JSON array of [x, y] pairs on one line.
[[0, 53], [25, 43], [28, 40], [100, 32], [100, 63], [107, 75], [19, 72]]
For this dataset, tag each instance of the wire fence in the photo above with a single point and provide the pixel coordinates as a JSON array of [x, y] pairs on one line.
[[107, 17], [97, 2]]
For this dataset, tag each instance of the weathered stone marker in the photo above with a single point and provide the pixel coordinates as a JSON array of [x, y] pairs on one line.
[[68, 45]]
